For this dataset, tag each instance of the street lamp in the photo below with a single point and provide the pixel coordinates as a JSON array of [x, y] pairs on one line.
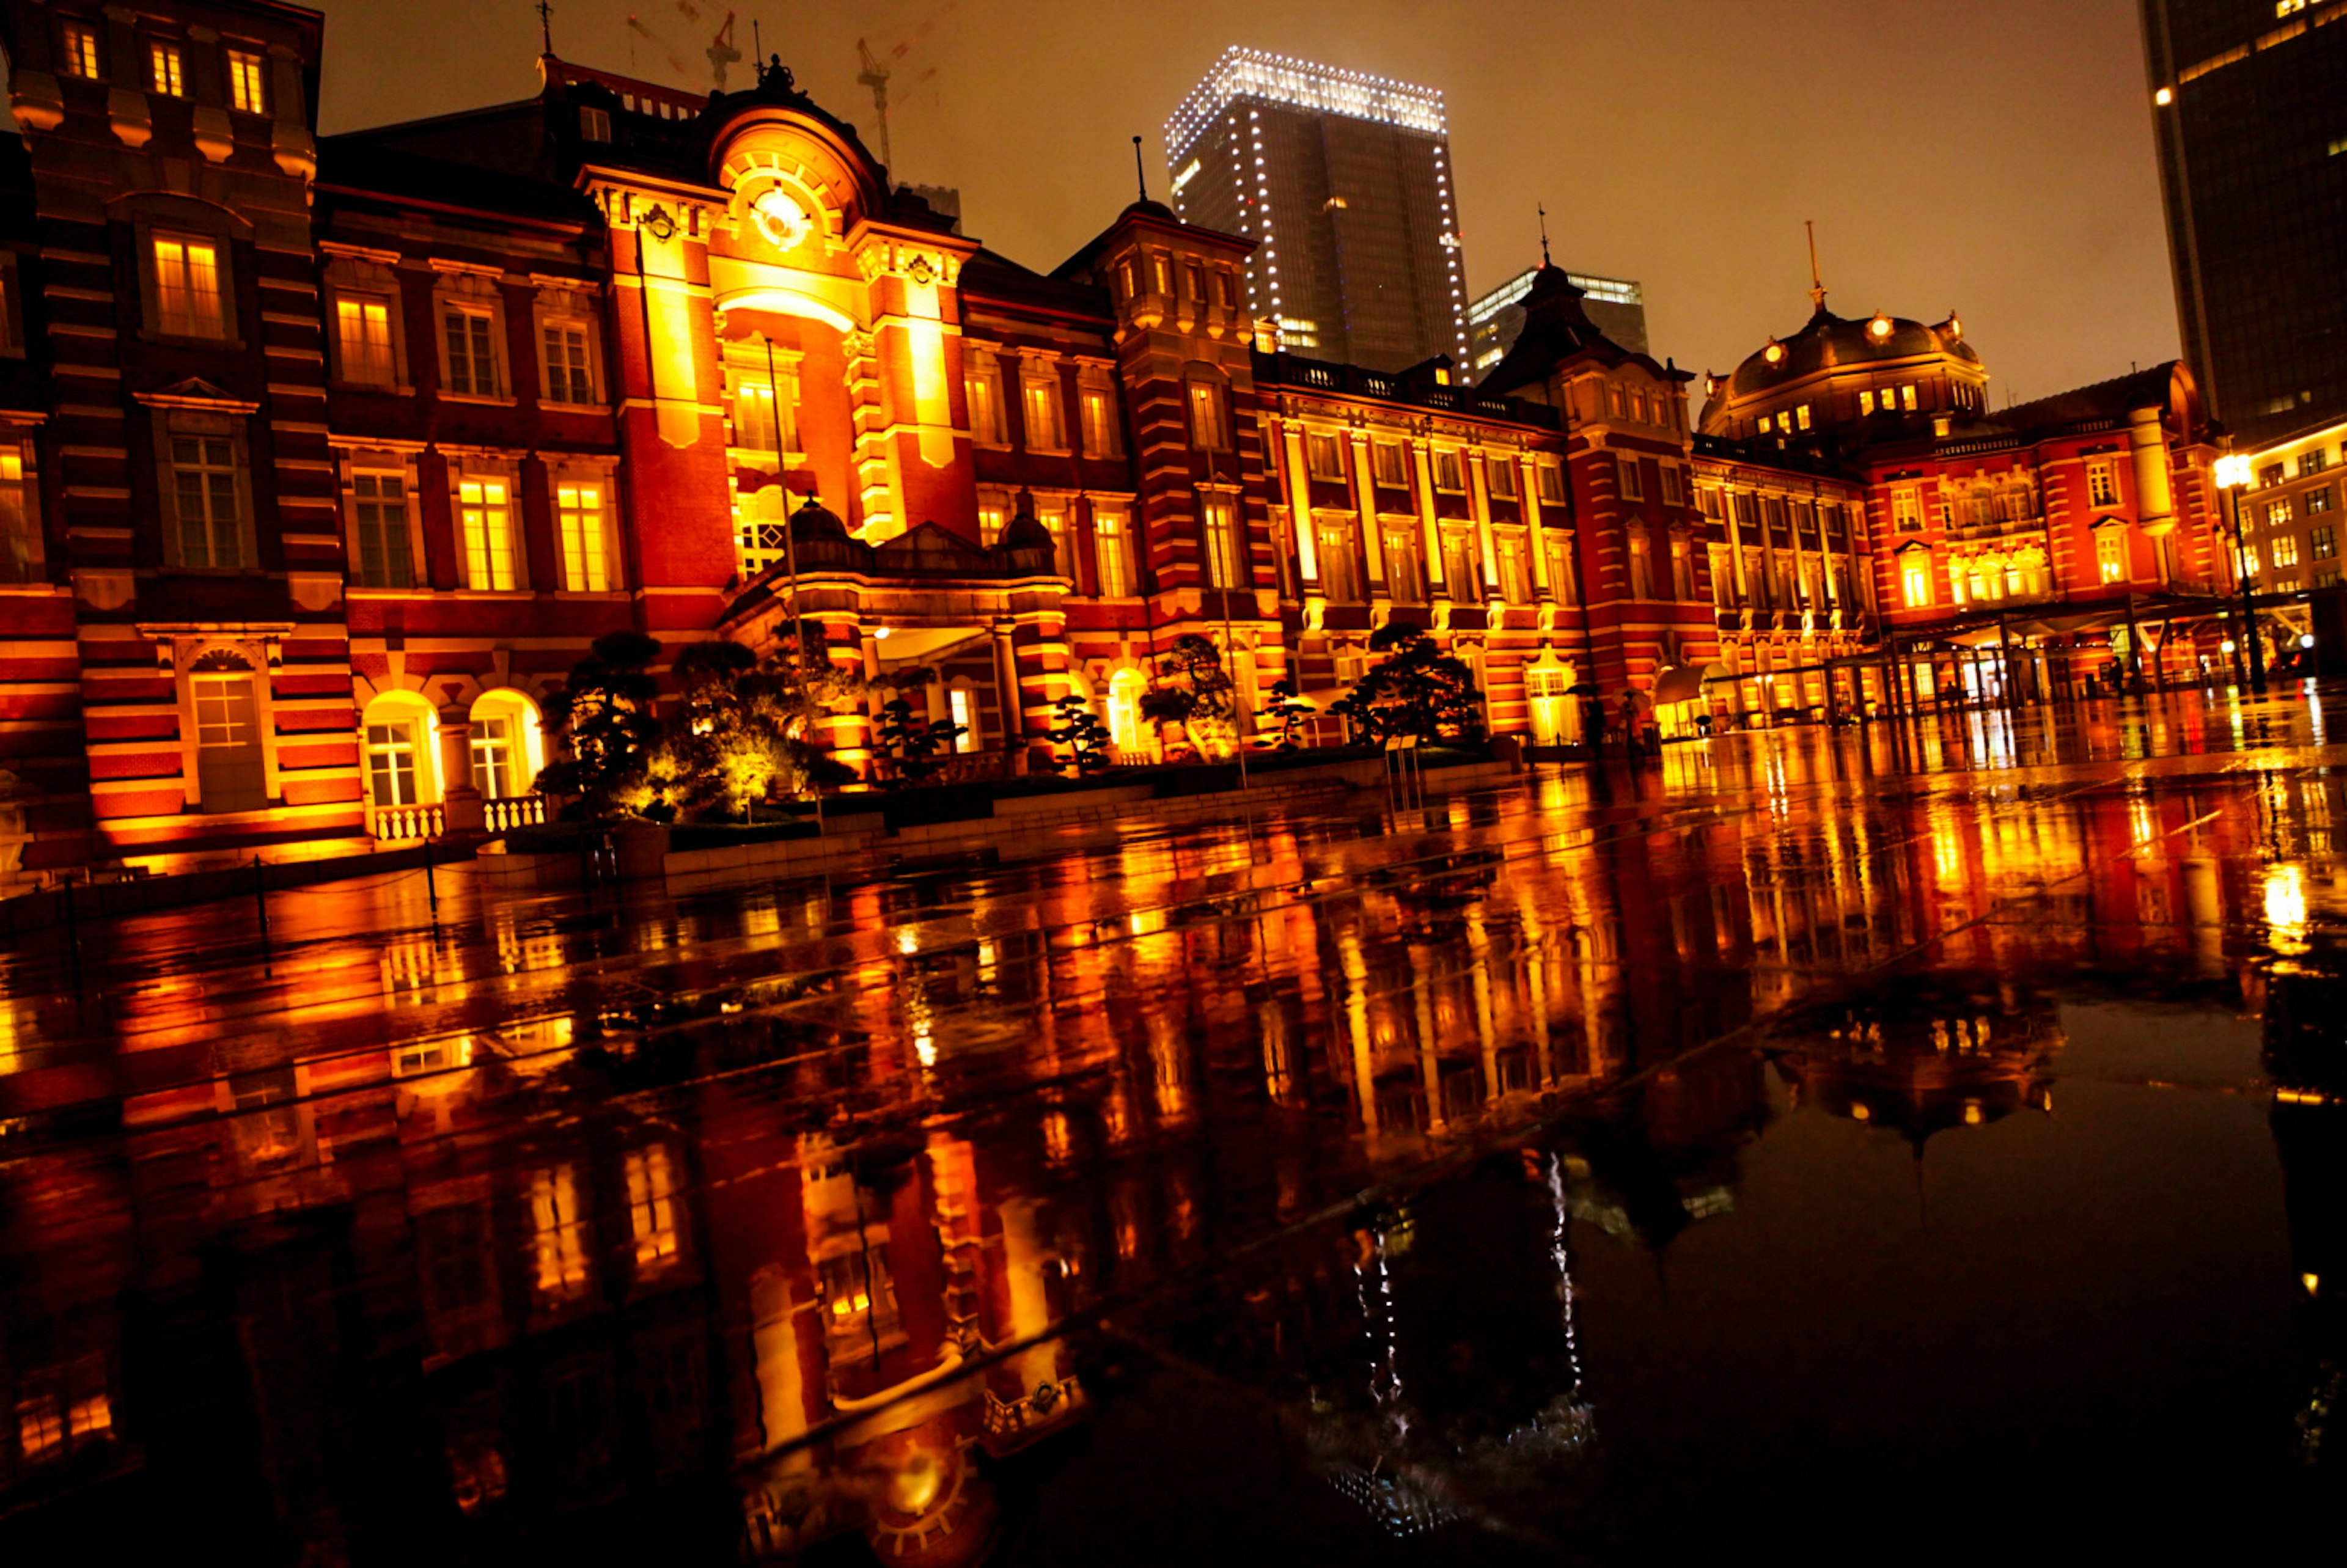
[[2233, 476]]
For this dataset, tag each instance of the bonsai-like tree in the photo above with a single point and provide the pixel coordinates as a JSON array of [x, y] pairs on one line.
[[1198, 695], [604, 716], [1417, 689], [1079, 730], [1291, 713], [912, 740]]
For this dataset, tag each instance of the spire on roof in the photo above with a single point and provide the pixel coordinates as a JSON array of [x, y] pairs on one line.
[[1816, 283], [1543, 229], [545, 27]]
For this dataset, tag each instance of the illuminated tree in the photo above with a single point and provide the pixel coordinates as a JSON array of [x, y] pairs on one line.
[[604, 716], [744, 727], [1291, 711], [1417, 689], [1197, 695]]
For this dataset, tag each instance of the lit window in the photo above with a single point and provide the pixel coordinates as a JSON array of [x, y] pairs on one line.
[[1042, 410], [1054, 516], [1906, 511], [1341, 576], [568, 378], [391, 764], [485, 525], [2249, 560], [1801, 415], [651, 1207], [991, 517], [2277, 513], [379, 505], [1511, 562], [2321, 542], [1110, 555], [1225, 567], [1768, 423], [163, 74], [1915, 578], [204, 491], [1099, 422], [1386, 463], [558, 1236], [2110, 556], [20, 520], [1462, 566], [472, 352], [493, 756], [1907, 395], [586, 545], [760, 424], [1866, 403], [363, 328], [188, 287], [985, 407], [1208, 430], [1449, 473], [40, 1429], [2284, 550], [81, 51], [248, 84]]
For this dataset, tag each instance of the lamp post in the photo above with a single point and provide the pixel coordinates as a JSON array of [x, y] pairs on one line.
[[2232, 478]]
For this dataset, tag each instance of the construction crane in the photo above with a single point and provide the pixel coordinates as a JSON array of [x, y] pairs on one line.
[[719, 54], [876, 72]]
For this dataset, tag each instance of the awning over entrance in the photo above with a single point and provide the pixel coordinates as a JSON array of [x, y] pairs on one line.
[[1683, 682]]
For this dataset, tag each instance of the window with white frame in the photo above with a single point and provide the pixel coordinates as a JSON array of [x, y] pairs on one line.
[[1915, 578], [391, 756], [1405, 576], [468, 330], [379, 525], [569, 372], [1906, 510], [232, 762], [2102, 484], [765, 408], [1513, 588], [2284, 549], [993, 516], [500, 755], [206, 498], [582, 525], [188, 287], [1550, 480], [363, 333], [485, 533], [1388, 464], [1111, 551], [21, 554], [1673, 494], [1051, 511], [1040, 402], [248, 82], [1209, 430], [1560, 569], [1103, 437], [1341, 576]]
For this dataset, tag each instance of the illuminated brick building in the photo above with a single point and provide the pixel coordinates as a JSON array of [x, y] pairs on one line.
[[330, 457]]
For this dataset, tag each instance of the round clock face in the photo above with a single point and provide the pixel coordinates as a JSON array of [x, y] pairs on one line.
[[1774, 353], [780, 217], [1878, 328]]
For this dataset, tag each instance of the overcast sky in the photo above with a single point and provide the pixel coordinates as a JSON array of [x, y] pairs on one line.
[[1993, 158]]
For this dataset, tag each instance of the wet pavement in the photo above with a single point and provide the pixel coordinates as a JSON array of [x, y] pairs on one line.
[[1921, 1141]]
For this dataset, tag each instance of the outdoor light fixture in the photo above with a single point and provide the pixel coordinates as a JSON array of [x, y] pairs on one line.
[[2164, 97], [2232, 471], [2227, 645], [2306, 640], [780, 217], [879, 634]]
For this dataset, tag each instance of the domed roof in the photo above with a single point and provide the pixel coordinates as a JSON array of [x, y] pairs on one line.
[[814, 523], [1023, 532], [1831, 342]]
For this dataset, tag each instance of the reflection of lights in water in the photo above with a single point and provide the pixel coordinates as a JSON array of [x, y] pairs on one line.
[[914, 1488], [926, 1048], [2314, 1282], [2286, 901], [909, 941]]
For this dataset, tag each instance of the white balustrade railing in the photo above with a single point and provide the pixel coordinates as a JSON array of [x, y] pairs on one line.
[[514, 811], [403, 823]]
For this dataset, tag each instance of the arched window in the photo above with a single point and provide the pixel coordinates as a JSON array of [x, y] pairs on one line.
[[1124, 727], [396, 735], [505, 744]]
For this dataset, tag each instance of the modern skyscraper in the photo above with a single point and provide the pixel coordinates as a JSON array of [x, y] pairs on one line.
[[1344, 181], [1616, 305], [2247, 98]]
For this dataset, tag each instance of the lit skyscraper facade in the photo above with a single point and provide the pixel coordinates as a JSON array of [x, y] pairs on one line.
[[2251, 125], [1344, 181], [1615, 305]]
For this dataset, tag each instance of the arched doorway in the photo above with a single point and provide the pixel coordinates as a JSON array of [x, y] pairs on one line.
[[1125, 726], [398, 740]]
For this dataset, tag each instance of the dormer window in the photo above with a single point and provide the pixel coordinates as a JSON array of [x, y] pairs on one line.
[[594, 124]]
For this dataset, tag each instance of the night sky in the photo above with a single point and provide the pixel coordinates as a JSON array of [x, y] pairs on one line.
[[1995, 158]]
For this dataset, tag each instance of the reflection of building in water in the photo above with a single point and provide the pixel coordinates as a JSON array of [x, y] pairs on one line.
[[1923, 1057], [2305, 1003]]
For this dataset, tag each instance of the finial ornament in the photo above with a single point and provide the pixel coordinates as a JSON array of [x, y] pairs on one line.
[[545, 27], [1543, 229], [1816, 283], [1140, 170]]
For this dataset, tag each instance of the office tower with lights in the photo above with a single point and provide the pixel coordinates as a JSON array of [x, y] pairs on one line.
[[2252, 144], [1616, 306], [1343, 180]]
